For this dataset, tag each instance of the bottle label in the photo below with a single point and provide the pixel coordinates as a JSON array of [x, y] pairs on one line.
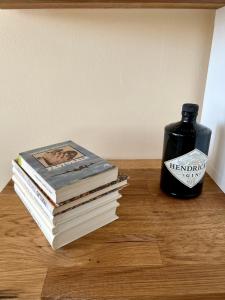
[[189, 168]]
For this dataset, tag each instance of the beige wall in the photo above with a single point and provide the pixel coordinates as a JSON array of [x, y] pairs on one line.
[[108, 79]]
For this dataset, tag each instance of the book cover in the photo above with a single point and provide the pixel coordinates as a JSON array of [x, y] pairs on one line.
[[64, 163]]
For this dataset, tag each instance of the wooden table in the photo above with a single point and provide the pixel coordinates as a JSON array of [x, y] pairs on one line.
[[160, 248]]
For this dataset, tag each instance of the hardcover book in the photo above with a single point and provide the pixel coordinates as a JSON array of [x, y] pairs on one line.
[[66, 170]]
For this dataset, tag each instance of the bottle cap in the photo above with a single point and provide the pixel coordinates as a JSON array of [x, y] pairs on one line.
[[190, 108]]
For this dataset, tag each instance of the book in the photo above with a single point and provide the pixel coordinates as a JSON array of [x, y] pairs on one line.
[[73, 233], [66, 170], [76, 212], [52, 208], [78, 217]]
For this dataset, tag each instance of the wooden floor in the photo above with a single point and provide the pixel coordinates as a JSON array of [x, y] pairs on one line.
[[160, 248]]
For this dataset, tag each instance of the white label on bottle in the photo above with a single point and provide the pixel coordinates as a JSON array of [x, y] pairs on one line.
[[189, 168]]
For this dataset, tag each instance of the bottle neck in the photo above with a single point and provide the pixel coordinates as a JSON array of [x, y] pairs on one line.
[[188, 117]]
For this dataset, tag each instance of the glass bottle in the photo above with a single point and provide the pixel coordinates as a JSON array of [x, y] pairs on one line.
[[185, 150]]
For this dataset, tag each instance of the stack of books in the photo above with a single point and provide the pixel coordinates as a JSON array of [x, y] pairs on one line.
[[68, 190]]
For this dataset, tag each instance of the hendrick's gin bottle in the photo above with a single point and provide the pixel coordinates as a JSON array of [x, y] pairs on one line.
[[185, 151]]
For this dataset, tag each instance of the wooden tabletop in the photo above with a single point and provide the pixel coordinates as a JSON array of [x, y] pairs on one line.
[[160, 248]]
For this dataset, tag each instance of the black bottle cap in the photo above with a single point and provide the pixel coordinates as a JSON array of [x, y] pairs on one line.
[[190, 108]]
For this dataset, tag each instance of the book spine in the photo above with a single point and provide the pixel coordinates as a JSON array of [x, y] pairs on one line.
[[38, 196], [33, 203], [33, 215], [37, 178]]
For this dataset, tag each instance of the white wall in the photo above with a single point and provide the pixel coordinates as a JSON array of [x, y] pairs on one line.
[[108, 79], [213, 114]]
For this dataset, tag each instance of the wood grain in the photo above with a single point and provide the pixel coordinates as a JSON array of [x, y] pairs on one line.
[[134, 283], [161, 248], [38, 4]]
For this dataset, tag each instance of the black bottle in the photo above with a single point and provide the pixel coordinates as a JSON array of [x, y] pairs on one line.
[[185, 150]]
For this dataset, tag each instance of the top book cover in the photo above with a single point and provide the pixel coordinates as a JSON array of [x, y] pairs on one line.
[[63, 164]]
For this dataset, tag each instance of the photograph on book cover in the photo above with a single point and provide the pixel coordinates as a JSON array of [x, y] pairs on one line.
[[57, 157]]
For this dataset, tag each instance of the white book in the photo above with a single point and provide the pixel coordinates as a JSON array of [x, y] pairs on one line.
[[66, 170], [53, 209], [85, 228], [73, 233], [64, 220], [70, 223]]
